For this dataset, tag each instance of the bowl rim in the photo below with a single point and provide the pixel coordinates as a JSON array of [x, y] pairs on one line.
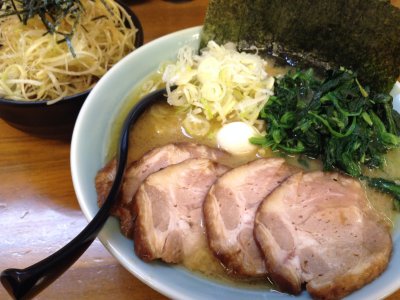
[[139, 40]]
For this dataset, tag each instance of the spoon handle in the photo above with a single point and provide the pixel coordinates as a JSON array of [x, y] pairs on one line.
[[26, 283]]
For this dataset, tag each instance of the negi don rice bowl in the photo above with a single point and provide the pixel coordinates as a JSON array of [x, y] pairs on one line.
[[52, 50], [248, 177]]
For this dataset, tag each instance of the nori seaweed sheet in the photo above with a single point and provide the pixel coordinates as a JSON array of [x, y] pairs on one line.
[[361, 35]]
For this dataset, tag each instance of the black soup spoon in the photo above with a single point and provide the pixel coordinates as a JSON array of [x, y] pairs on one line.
[[26, 283]]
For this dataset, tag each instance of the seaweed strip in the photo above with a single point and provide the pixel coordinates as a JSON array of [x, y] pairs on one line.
[[361, 35]]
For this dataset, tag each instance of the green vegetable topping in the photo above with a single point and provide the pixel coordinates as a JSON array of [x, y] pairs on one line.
[[386, 186], [337, 120]]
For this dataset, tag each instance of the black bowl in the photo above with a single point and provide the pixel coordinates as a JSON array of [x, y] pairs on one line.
[[40, 118]]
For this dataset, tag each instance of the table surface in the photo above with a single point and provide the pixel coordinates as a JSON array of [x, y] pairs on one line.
[[39, 211]]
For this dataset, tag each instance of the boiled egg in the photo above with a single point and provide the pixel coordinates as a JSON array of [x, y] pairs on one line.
[[234, 138]]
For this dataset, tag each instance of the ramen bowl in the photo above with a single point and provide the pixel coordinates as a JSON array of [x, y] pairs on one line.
[[94, 131]]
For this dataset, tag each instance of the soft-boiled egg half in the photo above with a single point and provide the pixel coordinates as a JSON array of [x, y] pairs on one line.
[[234, 138]]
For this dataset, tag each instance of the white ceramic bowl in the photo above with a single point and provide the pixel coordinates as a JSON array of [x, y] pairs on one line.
[[88, 151]]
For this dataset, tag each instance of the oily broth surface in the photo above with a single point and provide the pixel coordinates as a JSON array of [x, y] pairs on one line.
[[391, 171]]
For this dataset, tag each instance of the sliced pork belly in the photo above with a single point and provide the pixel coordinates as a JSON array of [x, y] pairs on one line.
[[104, 180], [151, 162], [229, 212], [169, 223], [318, 228]]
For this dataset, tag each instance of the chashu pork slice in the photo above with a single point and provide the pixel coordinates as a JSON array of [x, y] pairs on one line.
[[319, 229], [229, 212], [138, 171], [104, 180], [169, 209]]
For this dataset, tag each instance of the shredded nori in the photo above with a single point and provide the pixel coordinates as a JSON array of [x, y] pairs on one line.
[[360, 35], [50, 12]]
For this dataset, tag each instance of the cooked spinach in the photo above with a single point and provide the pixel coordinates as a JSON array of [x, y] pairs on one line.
[[386, 186], [336, 120]]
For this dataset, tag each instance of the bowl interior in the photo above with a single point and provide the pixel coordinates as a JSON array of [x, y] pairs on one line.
[[90, 142]]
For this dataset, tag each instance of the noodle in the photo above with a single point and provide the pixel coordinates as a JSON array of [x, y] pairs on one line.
[[34, 66]]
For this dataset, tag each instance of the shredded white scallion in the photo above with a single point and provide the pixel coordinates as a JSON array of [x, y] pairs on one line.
[[34, 66], [220, 84]]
